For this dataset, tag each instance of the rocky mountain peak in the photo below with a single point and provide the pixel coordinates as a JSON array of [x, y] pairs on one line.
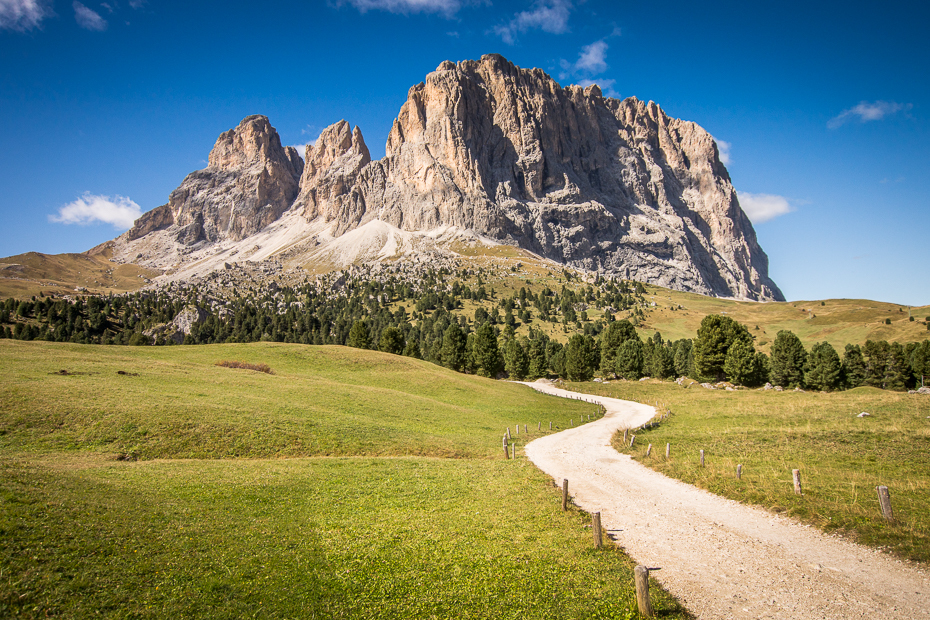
[[597, 183], [332, 166]]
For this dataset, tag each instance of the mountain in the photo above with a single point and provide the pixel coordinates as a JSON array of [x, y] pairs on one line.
[[484, 151]]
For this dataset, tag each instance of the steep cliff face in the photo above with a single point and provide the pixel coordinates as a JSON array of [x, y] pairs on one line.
[[485, 146], [249, 182], [598, 183]]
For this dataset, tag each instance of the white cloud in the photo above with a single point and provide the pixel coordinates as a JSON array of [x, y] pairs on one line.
[[866, 111], [723, 148], [444, 7], [23, 15], [763, 207], [87, 18], [547, 15], [302, 148], [591, 59], [137, 4], [119, 211]]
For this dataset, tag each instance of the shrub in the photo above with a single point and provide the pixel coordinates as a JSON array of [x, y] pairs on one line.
[[265, 368]]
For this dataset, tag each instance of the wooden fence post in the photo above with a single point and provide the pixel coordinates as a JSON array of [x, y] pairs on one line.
[[702, 458], [625, 431], [668, 449], [641, 574], [506, 451], [649, 450], [550, 426], [596, 526], [514, 452], [539, 426], [796, 474], [632, 439], [508, 432], [564, 493], [884, 500], [739, 472]]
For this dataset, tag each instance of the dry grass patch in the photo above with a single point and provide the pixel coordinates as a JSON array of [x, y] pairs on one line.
[[265, 368]]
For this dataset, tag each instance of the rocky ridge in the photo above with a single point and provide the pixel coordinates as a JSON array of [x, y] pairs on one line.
[[485, 149]]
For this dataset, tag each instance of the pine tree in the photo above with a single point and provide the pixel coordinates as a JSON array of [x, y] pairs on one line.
[[853, 367], [487, 355], [629, 362], [787, 360], [682, 351], [580, 358], [453, 347], [715, 336], [612, 339], [391, 341], [740, 363], [896, 368], [537, 358], [875, 353], [413, 347], [358, 336], [823, 367], [663, 362], [515, 360]]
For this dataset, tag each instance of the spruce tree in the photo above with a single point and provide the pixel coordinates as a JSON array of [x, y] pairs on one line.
[[740, 363], [453, 347], [487, 356], [616, 334], [515, 360], [358, 336], [537, 359], [580, 358], [629, 362], [413, 347], [823, 367], [787, 360], [682, 357], [715, 336], [853, 368], [391, 341], [663, 362]]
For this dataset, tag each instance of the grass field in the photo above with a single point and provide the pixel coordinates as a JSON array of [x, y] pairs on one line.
[[393, 500], [842, 457]]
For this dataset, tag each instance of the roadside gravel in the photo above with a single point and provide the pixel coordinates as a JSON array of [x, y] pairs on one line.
[[720, 558]]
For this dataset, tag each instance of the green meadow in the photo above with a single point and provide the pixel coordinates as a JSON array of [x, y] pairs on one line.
[[148, 482], [842, 457]]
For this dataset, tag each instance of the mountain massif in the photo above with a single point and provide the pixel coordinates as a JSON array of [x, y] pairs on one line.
[[484, 151]]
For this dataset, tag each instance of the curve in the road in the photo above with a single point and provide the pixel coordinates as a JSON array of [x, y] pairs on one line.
[[720, 558]]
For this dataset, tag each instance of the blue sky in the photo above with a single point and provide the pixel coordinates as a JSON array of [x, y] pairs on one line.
[[822, 108]]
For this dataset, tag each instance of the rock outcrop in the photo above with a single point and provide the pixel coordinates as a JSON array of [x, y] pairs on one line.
[[597, 183], [249, 182]]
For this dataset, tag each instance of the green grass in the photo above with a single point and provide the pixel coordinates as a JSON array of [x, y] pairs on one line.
[[368, 533], [331, 401], [842, 458]]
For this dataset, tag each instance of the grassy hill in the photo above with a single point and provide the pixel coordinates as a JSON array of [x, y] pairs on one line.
[[347, 484], [34, 273]]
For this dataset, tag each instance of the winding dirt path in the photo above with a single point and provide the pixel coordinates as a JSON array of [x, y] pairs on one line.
[[720, 558]]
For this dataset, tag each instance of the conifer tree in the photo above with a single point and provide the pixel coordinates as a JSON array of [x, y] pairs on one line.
[[616, 334], [391, 341], [580, 358], [515, 360], [823, 367], [740, 363], [629, 362], [714, 338], [853, 368], [787, 360], [453, 347], [487, 356], [358, 336]]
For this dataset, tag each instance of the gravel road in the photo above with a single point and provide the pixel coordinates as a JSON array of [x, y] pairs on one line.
[[720, 558]]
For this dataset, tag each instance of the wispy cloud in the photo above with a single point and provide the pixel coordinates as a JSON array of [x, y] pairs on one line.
[[865, 112], [23, 15], [137, 4], [443, 7], [86, 18], [723, 148], [763, 207], [547, 15], [119, 211]]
